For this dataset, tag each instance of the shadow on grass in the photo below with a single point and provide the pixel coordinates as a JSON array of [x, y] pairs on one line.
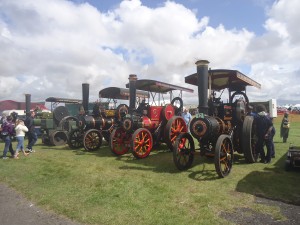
[[273, 183], [161, 161]]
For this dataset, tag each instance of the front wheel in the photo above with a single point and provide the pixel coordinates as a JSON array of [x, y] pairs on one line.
[[119, 141], [223, 155], [92, 140], [75, 139], [141, 143], [183, 151]]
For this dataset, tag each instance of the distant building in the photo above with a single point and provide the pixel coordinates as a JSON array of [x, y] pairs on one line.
[[13, 105]]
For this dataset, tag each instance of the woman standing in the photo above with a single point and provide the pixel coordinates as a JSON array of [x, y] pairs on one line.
[[20, 134], [285, 127]]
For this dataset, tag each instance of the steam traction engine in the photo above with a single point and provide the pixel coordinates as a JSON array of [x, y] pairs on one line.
[[148, 125], [89, 128], [220, 128], [49, 123]]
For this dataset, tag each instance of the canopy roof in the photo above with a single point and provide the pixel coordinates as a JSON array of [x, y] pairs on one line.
[[63, 100], [120, 93], [157, 86], [221, 79]]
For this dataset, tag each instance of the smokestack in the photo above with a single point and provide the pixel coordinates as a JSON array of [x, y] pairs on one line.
[[85, 97], [132, 92], [202, 75], [27, 104]]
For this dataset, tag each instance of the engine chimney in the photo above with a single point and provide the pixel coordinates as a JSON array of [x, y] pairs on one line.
[[202, 78], [132, 92], [85, 97], [27, 104]]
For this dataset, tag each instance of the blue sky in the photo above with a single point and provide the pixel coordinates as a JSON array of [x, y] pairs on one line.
[[232, 14], [50, 47]]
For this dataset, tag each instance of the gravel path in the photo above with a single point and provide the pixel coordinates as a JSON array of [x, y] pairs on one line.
[[244, 216], [16, 210]]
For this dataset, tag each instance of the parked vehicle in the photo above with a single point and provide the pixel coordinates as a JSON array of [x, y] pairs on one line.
[[220, 128]]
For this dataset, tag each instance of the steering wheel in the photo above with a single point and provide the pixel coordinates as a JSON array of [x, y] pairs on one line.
[[238, 95], [178, 104]]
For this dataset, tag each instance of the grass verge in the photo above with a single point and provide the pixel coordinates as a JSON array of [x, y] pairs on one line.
[[99, 188]]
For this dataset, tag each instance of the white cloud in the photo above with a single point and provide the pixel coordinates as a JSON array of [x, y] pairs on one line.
[[274, 56], [49, 48]]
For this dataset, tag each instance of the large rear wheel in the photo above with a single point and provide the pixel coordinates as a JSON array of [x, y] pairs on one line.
[[249, 140], [223, 155], [183, 151], [175, 126], [141, 143]]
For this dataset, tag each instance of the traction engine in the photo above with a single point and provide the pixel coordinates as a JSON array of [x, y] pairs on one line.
[[148, 125], [86, 129], [220, 128]]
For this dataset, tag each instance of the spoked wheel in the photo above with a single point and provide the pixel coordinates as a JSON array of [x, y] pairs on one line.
[[183, 151], [249, 140], [223, 155], [141, 143], [92, 140], [75, 139], [67, 122], [174, 127], [119, 141]]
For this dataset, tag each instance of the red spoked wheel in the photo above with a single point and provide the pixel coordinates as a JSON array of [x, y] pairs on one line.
[[92, 140], [175, 126], [223, 155], [141, 143], [183, 151], [119, 141]]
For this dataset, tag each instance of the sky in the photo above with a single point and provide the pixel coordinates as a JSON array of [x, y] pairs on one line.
[[49, 48]]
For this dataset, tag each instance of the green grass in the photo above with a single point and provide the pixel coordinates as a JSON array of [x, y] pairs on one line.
[[99, 188]]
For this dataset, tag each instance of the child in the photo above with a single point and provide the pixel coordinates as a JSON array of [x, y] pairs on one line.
[[20, 134]]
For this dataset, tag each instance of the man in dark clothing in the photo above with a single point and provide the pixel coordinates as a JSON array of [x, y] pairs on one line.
[[264, 127], [32, 136]]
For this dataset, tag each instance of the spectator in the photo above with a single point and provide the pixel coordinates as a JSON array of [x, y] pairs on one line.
[[20, 134], [186, 116], [32, 135], [264, 127], [285, 127], [7, 132]]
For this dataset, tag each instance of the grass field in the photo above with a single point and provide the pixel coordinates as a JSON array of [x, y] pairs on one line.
[[99, 188]]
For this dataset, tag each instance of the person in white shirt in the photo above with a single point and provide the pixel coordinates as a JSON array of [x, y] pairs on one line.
[[21, 129]]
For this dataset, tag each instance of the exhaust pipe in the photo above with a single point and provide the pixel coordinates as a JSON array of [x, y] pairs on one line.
[[202, 75], [85, 97], [132, 92], [27, 104]]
